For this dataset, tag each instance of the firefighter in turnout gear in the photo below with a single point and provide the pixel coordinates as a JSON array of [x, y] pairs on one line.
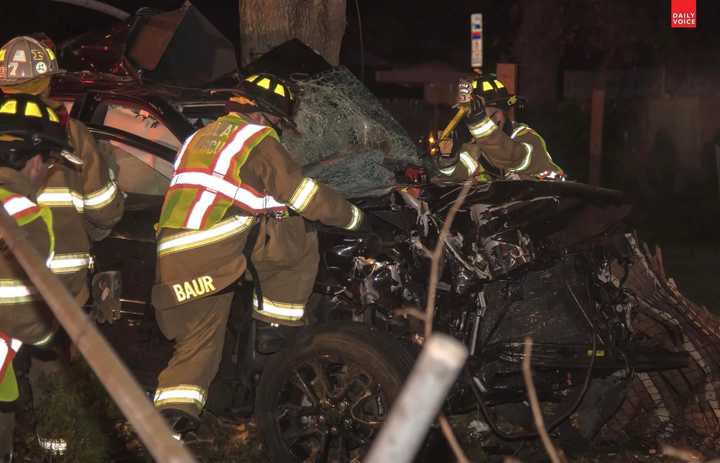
[[83, 194], [491, 141], [81, 191], [30, 138], [236, 202]]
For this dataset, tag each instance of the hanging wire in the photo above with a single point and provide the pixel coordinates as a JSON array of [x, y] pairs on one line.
[[362, 44]]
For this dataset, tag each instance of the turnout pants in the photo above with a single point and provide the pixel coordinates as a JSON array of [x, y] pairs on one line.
[[198, 329], [286, 274]]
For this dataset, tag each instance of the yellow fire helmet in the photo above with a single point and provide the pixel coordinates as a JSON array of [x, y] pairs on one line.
[[29, 127], [24, 59], [493, 92]]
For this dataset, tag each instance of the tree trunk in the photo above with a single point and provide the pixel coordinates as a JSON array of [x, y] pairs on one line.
[[264, 24]]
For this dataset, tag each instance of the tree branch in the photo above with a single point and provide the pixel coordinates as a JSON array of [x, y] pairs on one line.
[[452, 440], [436, 257], [535, 405]]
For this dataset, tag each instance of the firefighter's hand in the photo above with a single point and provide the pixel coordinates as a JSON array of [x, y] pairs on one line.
[[467, 97], [463, 92], [446, 147], [476, 110]]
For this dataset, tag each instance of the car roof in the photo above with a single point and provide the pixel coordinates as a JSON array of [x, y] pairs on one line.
[[75, 84]]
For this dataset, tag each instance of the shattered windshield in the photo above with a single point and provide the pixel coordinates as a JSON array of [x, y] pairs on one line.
[[345, 137]]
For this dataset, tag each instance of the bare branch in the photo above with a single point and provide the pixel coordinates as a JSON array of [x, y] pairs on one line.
[[452, 440], [659, 262], [535, 405], [437, 257], [511, 460], [686, 455], [409, 312]]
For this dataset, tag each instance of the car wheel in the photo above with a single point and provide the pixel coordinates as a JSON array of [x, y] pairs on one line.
[[325, 397]]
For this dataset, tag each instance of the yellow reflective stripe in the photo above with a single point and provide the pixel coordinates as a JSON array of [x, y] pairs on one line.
[[69, 262], [487, 87], [264, 83], [470, 164], [32, 109], [15, 291], [239, 193], [355, 219], [52, 115], [303, 194], [526, 161], [181, 152], [483, 128], [65, 197], [194, 239], [448, 170], [60, 197], [280, 310], [54, 446], [237, 144], [9, 107], [519, 130], [182, 394], [46, 340], [102, 197], [280, 90]]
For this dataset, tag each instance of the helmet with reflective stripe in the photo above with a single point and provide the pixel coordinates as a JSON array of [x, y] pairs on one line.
[[493, 92], [270, 93], [29, 127], [24, 59]]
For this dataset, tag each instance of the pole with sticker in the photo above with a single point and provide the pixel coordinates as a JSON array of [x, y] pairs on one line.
[[476, 42]]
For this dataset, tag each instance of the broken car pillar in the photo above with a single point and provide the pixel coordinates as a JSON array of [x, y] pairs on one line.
[[108, 367]]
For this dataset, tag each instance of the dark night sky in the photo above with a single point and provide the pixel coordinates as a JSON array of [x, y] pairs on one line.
[[398, 32]]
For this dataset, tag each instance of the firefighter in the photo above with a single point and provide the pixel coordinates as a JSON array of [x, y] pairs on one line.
[[83, 194], [31, 137], [84, 197], [491, 140], [236, 201]]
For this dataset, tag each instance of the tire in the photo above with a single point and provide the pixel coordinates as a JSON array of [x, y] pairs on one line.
[[329, 391]]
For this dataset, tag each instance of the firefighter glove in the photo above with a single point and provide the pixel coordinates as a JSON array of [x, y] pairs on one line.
[[476, 110]]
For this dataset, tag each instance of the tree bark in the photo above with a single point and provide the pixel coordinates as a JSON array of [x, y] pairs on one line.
[[264, 24]]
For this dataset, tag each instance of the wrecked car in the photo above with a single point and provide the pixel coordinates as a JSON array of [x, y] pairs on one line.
[[552, 260]]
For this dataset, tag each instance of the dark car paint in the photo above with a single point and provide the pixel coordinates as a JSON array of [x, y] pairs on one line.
[[130, 248]]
